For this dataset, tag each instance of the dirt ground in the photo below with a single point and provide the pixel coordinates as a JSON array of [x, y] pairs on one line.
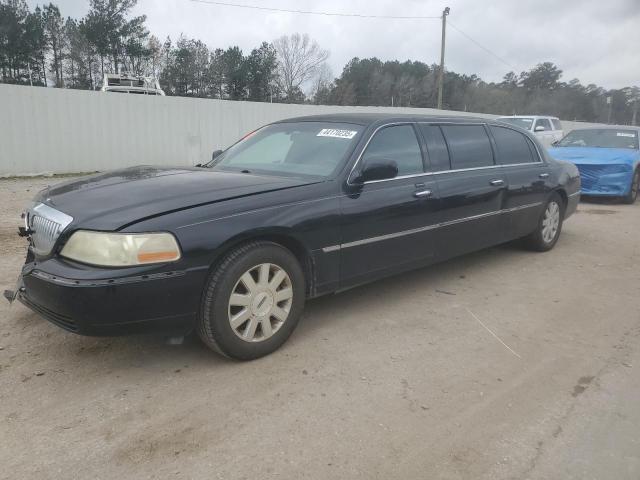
[[397, 379]]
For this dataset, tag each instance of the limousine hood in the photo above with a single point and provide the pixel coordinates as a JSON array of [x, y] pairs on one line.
[[112, 200]]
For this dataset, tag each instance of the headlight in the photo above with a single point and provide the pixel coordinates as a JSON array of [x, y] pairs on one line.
[[121, 249]]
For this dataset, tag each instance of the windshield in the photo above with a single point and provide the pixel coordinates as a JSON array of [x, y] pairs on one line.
[[518, 122], [601, 137], [292, 149]]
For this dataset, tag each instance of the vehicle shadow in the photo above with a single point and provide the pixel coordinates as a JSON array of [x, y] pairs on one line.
[[109, 354], [430, 280], [600, 200], [116, 354]]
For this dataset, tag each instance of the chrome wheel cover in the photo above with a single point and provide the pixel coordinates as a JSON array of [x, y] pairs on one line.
[[550, 222], [260, 302]]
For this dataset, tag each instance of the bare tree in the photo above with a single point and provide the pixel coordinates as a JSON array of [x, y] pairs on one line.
[[321, 86], [299, 60]]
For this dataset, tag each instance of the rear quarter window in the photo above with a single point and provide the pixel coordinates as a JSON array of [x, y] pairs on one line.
[[469, 146], [513, 147], [556, 124]]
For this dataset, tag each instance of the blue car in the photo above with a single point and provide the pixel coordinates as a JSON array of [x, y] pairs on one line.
[[608, 159]]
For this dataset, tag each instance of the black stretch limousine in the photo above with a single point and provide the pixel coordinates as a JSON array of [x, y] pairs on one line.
[[297, 209]]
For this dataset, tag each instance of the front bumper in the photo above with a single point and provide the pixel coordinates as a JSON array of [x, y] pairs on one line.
[[598, 181], [165, 302], [618, 192]]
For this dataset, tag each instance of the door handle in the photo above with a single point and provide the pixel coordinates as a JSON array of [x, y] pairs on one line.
[[496, 183], [422, 194], [544, 175]]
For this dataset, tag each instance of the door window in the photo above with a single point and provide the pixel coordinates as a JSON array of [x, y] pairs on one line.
[[512, 146], [436, 147], [469, 146], [397, 143], [556, 124], [543, 122]]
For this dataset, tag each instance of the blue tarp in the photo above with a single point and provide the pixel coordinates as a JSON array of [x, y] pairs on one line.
[[603, 171]]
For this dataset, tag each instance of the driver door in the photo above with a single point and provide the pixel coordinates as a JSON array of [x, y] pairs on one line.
[[546, 136], [388, 225]]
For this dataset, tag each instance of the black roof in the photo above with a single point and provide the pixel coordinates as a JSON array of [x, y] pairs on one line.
[[371, 118]]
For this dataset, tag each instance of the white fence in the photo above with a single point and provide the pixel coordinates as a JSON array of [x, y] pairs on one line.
[[47, 130]]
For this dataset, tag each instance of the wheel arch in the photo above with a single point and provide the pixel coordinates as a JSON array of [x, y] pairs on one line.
[[280, 236], [563, 195]]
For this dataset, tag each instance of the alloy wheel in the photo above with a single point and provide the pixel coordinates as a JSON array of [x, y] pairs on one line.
[[550, 222], [260, 302]]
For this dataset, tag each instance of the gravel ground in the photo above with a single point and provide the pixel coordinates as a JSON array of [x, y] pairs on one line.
[[397, 379]]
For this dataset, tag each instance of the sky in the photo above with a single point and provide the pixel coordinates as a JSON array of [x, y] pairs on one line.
[[592, 40]]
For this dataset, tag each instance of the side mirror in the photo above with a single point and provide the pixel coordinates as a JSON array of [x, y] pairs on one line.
[[381, 169], [215, 154], [555, 144], [539, 128]]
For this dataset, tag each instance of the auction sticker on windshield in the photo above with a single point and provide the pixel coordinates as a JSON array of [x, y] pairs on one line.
[[332, 132], [623, 134]]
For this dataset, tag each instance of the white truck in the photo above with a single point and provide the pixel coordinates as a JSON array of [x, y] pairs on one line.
[[127, 83], [547, 129]]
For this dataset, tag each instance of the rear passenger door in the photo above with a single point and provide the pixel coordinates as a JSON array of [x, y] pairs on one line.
[[529, 179], [472, 188], [557, 129]]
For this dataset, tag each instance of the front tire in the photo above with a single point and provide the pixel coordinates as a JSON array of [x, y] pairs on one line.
[[631, 197], [546, 234], [252, 301]]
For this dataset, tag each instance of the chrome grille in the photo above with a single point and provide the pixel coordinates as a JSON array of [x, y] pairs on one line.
[[46, 224], [45, 233]]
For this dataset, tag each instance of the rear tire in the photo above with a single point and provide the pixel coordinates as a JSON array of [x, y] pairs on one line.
[[631, 197], [546, 234], [252, 301]]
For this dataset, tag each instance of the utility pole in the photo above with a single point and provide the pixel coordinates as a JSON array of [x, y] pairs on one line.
[[445, 12]]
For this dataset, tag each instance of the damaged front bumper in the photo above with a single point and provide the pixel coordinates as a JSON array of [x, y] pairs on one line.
[[86, 301]]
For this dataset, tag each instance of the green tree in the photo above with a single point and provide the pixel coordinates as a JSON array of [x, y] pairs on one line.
[[261, 67], [187, 67], [55, 37], [215, 73], [114, 36], [235, 72], [36, 44], [544, 76], [80, 57], [20, 42]]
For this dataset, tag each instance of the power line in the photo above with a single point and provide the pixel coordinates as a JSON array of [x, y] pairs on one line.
[[307, 12], [478, 44], [355, 15]]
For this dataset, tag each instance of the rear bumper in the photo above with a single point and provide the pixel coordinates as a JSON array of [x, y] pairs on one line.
[[165, 302], [572, 204]]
